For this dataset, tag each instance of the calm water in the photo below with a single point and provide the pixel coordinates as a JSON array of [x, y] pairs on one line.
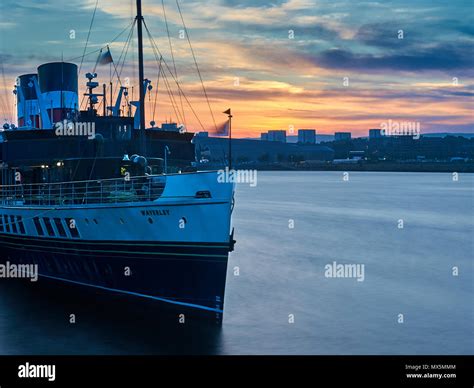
[[407, 271]]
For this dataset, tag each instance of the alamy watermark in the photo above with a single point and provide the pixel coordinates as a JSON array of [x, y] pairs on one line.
[[237, 176], [335, 270], [11, 270], [31, 371], [401, 128], [68, 128]]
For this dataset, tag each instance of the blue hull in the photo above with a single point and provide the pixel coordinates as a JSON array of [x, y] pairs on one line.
[[190, 276]]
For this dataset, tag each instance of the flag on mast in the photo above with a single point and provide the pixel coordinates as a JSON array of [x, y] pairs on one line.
[[224, 128], [105, 57]]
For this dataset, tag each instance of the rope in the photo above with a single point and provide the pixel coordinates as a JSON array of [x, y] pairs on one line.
[[195, 62], [124, 54], [167, 84], [3, 106], [7, 110], [157, 87], [97, 50], [127, 42], [88, 36], [171, 73], [171, 96], [172, 57]]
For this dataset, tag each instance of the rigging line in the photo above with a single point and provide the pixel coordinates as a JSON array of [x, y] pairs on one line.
[[107, 46], [97, 50], [131, 24], [170, 90], [155, 51], [195, 62], [124, 54], [82, 102], [124, 49], [169, 70], [119, 81], [172, 98], [171, 94], [157, 87], [8, 110], [3, 105], [88, 36], [172, 57]]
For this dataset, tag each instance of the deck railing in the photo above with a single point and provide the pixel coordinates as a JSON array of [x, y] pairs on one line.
[[134, 189]]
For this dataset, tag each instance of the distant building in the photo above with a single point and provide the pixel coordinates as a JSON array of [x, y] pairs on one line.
[[277, 135], [203, 134], [338, 136], [244, 151], [264, 136], [307, 136], [375, 133]]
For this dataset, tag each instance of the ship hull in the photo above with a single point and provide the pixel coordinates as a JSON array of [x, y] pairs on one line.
[[188, 277]]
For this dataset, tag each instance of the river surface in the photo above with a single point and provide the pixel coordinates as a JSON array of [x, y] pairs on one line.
[[412, 232]]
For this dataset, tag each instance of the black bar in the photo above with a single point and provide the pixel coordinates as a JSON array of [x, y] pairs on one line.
[[315, 371]]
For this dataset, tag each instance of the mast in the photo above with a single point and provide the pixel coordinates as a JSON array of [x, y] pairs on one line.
[[141, 77]]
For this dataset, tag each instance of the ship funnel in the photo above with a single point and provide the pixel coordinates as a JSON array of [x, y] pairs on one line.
[[58, 85], [28, 111]]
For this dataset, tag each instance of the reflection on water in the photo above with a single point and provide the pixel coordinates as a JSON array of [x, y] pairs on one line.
[[39, 323]]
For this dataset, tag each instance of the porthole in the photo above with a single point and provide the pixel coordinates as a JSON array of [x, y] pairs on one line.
[[122, 221], [150, 220], [87, 221], [95, 221]]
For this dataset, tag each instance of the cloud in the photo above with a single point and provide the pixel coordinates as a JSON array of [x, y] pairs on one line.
[[446, 57], [282, 81]]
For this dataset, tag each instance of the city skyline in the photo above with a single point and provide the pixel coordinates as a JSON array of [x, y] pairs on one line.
[[289, 64]]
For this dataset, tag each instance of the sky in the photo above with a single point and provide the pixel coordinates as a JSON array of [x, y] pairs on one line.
[[283, 64]]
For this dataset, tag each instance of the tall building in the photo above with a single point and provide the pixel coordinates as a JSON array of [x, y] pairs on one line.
[[338, 136], [375, 133], [277, 135], [307, 136]]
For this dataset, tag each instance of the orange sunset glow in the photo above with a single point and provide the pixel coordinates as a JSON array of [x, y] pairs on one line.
[[285, 65]]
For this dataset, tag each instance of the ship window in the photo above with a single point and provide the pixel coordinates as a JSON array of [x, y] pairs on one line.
[[72, 226], [19, 219], [95, 221], [12, 221], [87, 221], [150, 220], [7, 223], [60, 227], [1, 223], [49, 227], [122, 221], [38, 227], [203, 194]]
